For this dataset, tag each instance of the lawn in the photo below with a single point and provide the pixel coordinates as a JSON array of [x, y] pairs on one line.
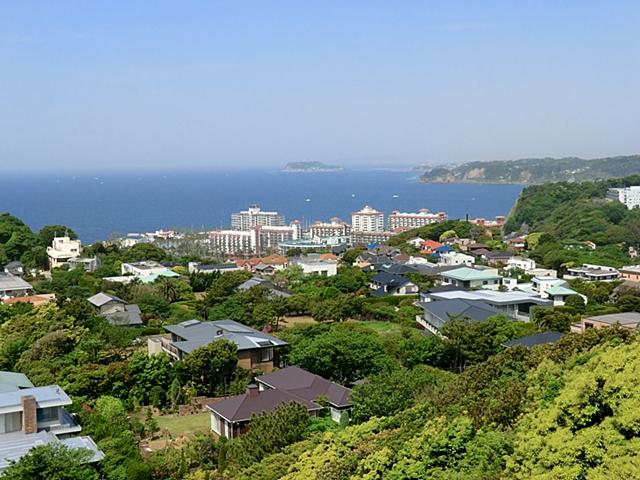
[[381, 327], [185, 425]]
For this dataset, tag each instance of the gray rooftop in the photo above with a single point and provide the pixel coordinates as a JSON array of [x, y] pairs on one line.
[[12, 381], [473, 310], [10, 282], [196, 334], [492, 297], [100, 299], [14, 446], [130, 316], [49, 396], [626, 318], [531, 341]]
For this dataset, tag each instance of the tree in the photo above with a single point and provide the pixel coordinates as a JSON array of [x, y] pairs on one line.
[[210, 367], [269, 433], [49, 232], [390, 392], [52, 462], [342, 354]]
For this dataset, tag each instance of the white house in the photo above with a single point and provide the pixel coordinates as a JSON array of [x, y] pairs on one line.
[[415, 241], [325, 268], [520, 263], [465, 277], [554, 289], [143, 269], [456, 258], [62, 250]]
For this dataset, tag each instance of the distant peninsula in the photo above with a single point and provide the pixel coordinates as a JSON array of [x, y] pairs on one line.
[[310, 167], [535, 170]]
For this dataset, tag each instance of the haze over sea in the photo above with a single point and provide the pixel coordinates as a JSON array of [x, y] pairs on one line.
[[96, 206]]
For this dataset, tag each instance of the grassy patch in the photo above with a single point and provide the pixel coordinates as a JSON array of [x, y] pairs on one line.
[[185, 425], [381, 327]]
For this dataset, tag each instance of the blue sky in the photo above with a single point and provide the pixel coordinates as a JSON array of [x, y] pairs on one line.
[[176, 84]]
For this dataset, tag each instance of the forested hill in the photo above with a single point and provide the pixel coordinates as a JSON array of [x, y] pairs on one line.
[[536, 170], [577, 211], [562, 411]]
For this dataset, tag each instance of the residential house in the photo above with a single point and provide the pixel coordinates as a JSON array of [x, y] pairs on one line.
[[229, 417], [197, 267], [314, 264], [517, 243], [520, 263], [14, 268], [415, 241], [436, 314], [33, 416], [465, 277], [13, 286], [473, 248], [498, 257], [143, 268], [515, 305], [428, 247], [554, 289], [87, 264], [630, 273], [35, 300], [456, 258], [256, 350], [385, 283], [630, 320], [263, 283], [593, 273], [530, 341], [62, 250], [116, 310], [309, 386]]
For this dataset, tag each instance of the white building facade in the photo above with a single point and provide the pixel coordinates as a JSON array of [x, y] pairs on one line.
[[367, 220], [246, 219], [407, 221], [630, 196], [62, 250]]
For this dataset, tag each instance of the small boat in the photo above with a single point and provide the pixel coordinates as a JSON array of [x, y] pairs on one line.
[[396, 196], [307, 199], [353, 195]]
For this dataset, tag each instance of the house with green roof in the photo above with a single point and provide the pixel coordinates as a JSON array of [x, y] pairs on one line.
[[552, 288], [468, 278]]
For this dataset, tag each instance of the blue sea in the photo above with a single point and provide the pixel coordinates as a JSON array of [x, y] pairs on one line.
[[98, 205]]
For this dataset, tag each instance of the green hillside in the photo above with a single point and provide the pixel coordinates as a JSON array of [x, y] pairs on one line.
[[536, 170], [577, 211], [564, 411]]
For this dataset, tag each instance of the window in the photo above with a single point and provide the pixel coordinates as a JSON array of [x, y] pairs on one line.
[[11, 422], [266, 354], [48, 414], [484, 282]]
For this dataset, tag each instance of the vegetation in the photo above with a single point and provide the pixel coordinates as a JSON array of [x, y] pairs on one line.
[[536, 170]]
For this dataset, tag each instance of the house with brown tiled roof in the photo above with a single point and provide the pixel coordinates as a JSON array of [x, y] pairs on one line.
[[229, 417]]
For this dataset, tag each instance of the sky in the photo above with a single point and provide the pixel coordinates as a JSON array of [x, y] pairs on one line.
[[205, 84]]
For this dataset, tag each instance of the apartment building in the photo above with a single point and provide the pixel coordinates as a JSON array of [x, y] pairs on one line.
[[629, 196], [256, 240], [253, 216], [367, 219], [336, 228], [407, 221]]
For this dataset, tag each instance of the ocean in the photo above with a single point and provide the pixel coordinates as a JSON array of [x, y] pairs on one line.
[[97, 206]]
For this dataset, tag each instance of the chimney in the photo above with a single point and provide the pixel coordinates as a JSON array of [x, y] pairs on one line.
[[29, 416], [253, 390]]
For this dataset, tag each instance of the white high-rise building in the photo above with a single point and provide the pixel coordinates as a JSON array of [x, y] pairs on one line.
[[256, 240], [630, 196], [367, 220], [246, 219], [337, 228]]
